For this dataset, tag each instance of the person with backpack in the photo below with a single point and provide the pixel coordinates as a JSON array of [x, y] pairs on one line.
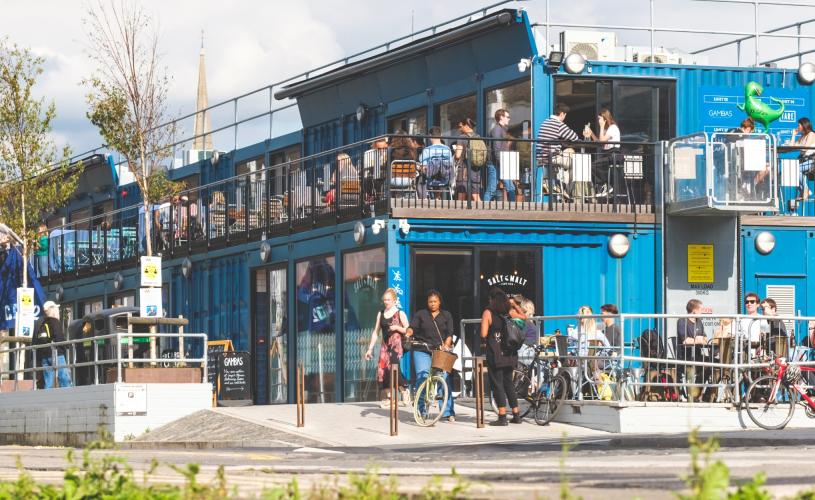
[[437, 166], [498, 332], [50, 331], [471, 155]]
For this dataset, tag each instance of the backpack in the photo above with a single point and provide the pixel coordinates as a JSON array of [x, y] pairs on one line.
[[513, 337], [439, 171], [478, 152]]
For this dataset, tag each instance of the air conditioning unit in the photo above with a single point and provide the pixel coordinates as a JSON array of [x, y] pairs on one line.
[[593, 45], [661, 55]]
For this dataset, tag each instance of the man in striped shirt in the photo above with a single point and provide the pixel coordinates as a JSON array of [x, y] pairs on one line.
[[553, 128]]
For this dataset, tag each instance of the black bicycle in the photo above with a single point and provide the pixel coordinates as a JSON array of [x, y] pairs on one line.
[[538, 387]]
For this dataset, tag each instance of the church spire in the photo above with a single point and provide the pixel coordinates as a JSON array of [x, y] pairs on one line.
[[202, 121]]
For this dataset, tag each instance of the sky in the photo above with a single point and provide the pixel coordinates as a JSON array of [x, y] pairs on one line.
[[250, 44]]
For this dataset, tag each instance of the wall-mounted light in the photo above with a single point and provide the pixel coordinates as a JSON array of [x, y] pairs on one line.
[[619, 245], [265, 251], [359, 233], [574, 64], [524, 64], [214, 158], [186, 267], [362, 110], [404, 227], [555, 59], [118, 281], [765, 242], [378, 226], [806, 73], [59, 293]]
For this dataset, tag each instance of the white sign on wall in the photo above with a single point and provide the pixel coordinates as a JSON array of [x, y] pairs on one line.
[[131, 399]]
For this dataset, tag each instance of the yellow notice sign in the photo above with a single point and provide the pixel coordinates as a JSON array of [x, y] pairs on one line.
[[700, 263]]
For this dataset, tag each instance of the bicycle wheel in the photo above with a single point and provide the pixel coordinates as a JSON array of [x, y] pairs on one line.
[[550, 400], [431, 399], [770, 404], [525, 391]]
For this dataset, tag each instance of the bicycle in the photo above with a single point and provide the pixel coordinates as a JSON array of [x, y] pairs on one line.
[[431, 396], [538, 387], [771, 399]]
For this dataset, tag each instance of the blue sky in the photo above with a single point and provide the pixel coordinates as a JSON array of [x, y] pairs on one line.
[[252, 43]]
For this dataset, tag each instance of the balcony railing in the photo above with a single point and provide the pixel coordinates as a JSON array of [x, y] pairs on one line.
[[367, 179]]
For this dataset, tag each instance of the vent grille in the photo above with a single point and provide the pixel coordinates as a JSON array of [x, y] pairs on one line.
[[590, 51], [784, 297]]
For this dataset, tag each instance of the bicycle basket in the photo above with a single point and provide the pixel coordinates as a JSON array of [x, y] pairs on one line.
[[793, 374], [443, 360]]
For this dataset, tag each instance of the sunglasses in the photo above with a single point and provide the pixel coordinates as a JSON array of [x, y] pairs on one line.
[[751, 302]]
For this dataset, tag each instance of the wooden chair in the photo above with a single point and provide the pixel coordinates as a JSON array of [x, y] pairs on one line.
[[349, 192], [403, 177]]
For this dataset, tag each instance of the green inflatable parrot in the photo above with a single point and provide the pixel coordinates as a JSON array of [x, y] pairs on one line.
[[757, 110]]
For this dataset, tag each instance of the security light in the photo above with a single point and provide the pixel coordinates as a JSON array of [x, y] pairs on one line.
[[186, 267], [575, 63], [361, 110], [555, 59], [524, 64], [118, 281], [377, 226], [359, 233], [265, 251]]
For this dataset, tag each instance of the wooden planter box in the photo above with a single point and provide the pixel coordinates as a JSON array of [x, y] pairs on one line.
[[22, 385], [156, 375]]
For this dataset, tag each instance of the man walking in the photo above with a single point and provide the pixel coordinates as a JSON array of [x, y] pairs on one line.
[[50, 331]]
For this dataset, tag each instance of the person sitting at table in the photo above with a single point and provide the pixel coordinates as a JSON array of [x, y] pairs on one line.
[[347, 172], [775, 328], [690, 336], [588, 335], [217, 214], [607, 132], [373, 163]]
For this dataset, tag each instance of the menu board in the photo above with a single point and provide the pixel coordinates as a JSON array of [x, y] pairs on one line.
[[215, 347], [234, 379]]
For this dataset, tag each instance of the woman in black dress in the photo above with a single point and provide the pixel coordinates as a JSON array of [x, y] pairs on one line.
[[500, 362]]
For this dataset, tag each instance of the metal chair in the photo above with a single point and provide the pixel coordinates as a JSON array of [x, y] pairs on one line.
[[403, 177]]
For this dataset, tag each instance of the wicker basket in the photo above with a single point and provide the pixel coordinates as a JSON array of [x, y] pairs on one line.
[[443, 360]]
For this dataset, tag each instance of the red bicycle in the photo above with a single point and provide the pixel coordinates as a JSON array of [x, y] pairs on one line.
[[771, 399]]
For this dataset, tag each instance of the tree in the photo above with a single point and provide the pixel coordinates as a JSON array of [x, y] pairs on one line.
[[128, 96], [35, 177]]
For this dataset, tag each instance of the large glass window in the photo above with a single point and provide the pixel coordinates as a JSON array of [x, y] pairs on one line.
[[316, 299], [448, 114], [515, 98], [363, 285], [644, 110], [277, 176], [413, 122]]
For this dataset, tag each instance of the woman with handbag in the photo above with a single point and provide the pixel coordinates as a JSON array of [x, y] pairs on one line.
[[393, 323]]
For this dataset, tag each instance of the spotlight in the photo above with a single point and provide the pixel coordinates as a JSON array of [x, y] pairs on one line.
[[806, 73], [555, 59], [765, 242]]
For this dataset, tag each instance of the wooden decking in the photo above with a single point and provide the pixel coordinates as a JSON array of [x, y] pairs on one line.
[[499, 210]]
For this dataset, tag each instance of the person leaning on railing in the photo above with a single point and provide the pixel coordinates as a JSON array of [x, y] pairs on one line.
[[50, 331]]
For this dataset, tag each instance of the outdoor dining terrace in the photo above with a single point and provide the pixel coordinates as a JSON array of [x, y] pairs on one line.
[[397, 176]]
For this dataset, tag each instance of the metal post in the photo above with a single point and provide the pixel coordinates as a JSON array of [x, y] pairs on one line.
[[622, 359], [800, 56], [95, 362], [755, 24], [479, 392], [301, 417], [181, 346], [54, 371], [153, 347], [652, 31], [130, 347], [394, 399], [118, 358]]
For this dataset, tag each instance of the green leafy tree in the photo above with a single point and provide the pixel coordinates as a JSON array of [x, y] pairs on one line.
[[128, 96], [35, 175]]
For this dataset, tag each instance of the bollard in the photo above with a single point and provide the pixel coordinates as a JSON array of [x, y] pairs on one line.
[[479, 392], [394, 400], [300, 382]]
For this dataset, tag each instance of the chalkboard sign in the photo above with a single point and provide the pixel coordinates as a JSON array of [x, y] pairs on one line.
[[215, 347], [234, 379]]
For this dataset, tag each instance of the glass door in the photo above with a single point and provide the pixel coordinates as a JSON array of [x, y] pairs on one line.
[[270, 334]]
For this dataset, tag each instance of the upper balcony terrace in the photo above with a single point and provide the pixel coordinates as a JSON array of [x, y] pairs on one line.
[[397, 176], [409, 177]]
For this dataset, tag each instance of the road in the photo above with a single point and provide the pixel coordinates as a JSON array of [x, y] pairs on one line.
[[595, 468]]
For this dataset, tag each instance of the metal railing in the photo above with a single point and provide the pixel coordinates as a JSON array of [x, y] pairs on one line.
[[655, 359], [91, 357]]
